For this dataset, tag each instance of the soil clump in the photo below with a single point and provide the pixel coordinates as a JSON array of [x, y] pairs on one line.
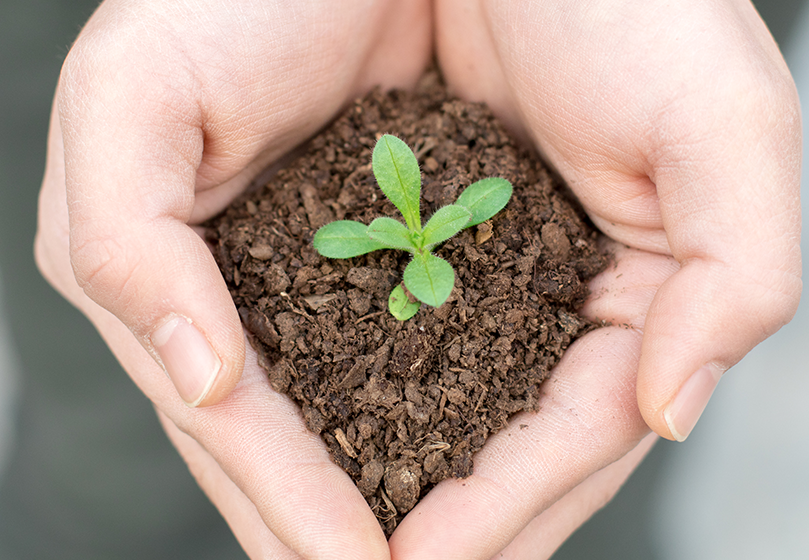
[[402, 406]]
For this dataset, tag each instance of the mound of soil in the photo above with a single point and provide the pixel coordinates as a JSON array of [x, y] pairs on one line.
[[403, 406]]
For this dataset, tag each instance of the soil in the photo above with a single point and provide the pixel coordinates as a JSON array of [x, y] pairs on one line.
[[404, 405]]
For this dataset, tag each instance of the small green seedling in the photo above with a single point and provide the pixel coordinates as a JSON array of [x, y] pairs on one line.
[[427, 277]]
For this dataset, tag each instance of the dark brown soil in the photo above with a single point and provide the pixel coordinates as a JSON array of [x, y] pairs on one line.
[[402, 406]]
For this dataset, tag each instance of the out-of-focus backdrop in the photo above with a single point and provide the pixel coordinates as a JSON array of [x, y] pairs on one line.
[[86, 472]]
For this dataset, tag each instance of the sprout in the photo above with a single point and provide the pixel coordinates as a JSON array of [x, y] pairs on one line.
[[427, 277]]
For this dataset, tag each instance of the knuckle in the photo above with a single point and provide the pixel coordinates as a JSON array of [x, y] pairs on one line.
[[104, 268], [759, 301], [779, 302]]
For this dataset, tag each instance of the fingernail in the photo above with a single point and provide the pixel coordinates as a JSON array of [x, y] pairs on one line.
[[683, 412], [188, 358]]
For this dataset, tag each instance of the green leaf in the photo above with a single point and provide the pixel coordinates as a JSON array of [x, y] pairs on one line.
[[400, 305], [445, 223], [397, 172], [391, 233], [344, 239], [429, 278], [485, 198]]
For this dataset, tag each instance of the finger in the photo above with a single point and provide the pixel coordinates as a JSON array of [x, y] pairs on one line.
[[131, 189], [259, 440], [240, 513], [549, 530], [622, 294], [734, 225], [729, 201]]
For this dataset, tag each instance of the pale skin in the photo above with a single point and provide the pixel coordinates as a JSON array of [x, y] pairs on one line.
[[675, 123]]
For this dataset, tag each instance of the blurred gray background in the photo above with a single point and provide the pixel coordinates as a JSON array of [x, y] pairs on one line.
[[85, 471]]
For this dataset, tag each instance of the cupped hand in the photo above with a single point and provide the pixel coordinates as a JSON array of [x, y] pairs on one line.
[[164, 113], [677, 125], [167, 111]]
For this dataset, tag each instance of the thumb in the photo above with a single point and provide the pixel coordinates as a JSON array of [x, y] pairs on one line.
[[731, 210], [130, 193]]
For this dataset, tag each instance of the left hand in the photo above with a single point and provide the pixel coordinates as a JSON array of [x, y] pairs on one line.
[[677, 125]]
